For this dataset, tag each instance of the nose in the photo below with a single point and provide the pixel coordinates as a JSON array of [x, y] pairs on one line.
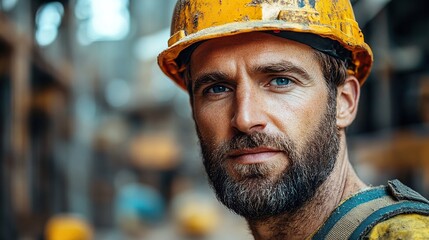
[[249, 111]]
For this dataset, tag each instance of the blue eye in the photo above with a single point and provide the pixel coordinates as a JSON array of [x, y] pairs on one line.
[[280, 81], [218, 89]]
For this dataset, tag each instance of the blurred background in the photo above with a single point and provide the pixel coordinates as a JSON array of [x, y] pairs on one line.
[[97, 143]]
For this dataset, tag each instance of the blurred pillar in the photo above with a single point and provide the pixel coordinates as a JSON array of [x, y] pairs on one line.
[[79, 161], [19, 137], [382, 70], [16, 28]]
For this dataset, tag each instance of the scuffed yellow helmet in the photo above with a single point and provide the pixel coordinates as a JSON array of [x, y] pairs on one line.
[[68, 227], [328, 26]]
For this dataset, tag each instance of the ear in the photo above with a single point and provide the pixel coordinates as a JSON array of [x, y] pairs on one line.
[[347, 102]]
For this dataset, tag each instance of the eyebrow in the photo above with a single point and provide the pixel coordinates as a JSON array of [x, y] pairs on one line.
[[211, 77], [280, 67], [275, 67]]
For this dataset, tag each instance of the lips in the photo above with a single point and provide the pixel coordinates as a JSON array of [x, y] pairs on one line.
[[253, 155]]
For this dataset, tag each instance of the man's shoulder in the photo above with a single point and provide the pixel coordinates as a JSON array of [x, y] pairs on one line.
[[404, 226], [357, 216]]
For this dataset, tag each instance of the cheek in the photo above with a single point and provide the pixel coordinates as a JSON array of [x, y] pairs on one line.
[[299, 117], [212, 122], [313, 116]]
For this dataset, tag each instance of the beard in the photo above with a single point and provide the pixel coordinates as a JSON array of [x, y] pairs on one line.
[[255, 192]]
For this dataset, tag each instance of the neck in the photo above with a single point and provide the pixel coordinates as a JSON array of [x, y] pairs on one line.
[[341, 184]]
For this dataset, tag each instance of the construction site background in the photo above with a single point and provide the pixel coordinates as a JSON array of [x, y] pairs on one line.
[[96, 143]]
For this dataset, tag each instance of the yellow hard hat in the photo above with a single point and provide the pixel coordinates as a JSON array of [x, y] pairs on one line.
[[195, 213], [68, 227], [328, 26], [197, 218]]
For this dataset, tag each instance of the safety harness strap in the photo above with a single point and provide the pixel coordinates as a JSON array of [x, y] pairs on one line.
[[354, 218]]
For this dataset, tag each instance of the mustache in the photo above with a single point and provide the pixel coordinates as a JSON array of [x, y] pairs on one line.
[[254, 140]]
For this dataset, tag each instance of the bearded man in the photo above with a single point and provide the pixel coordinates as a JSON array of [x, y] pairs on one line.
[[273, 85]]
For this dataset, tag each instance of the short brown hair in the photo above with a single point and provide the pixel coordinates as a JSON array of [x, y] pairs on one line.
[[334, 70]]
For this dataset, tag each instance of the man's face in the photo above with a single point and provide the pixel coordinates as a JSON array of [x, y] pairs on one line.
[[265, 121]]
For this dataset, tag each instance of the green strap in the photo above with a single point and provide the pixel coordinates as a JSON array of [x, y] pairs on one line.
[[352, 212]]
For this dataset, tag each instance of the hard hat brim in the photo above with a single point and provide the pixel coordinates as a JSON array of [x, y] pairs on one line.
[[361, 54]]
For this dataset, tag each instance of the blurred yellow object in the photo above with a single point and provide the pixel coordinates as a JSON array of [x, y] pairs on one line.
[[198, 20], [157, 151], [196, 214], [68, 227], [198, 219], [406, 226]]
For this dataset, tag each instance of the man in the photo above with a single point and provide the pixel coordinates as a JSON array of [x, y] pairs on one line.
[[273, 85]]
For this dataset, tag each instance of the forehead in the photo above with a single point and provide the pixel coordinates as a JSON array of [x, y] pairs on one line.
[[254, 48]]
